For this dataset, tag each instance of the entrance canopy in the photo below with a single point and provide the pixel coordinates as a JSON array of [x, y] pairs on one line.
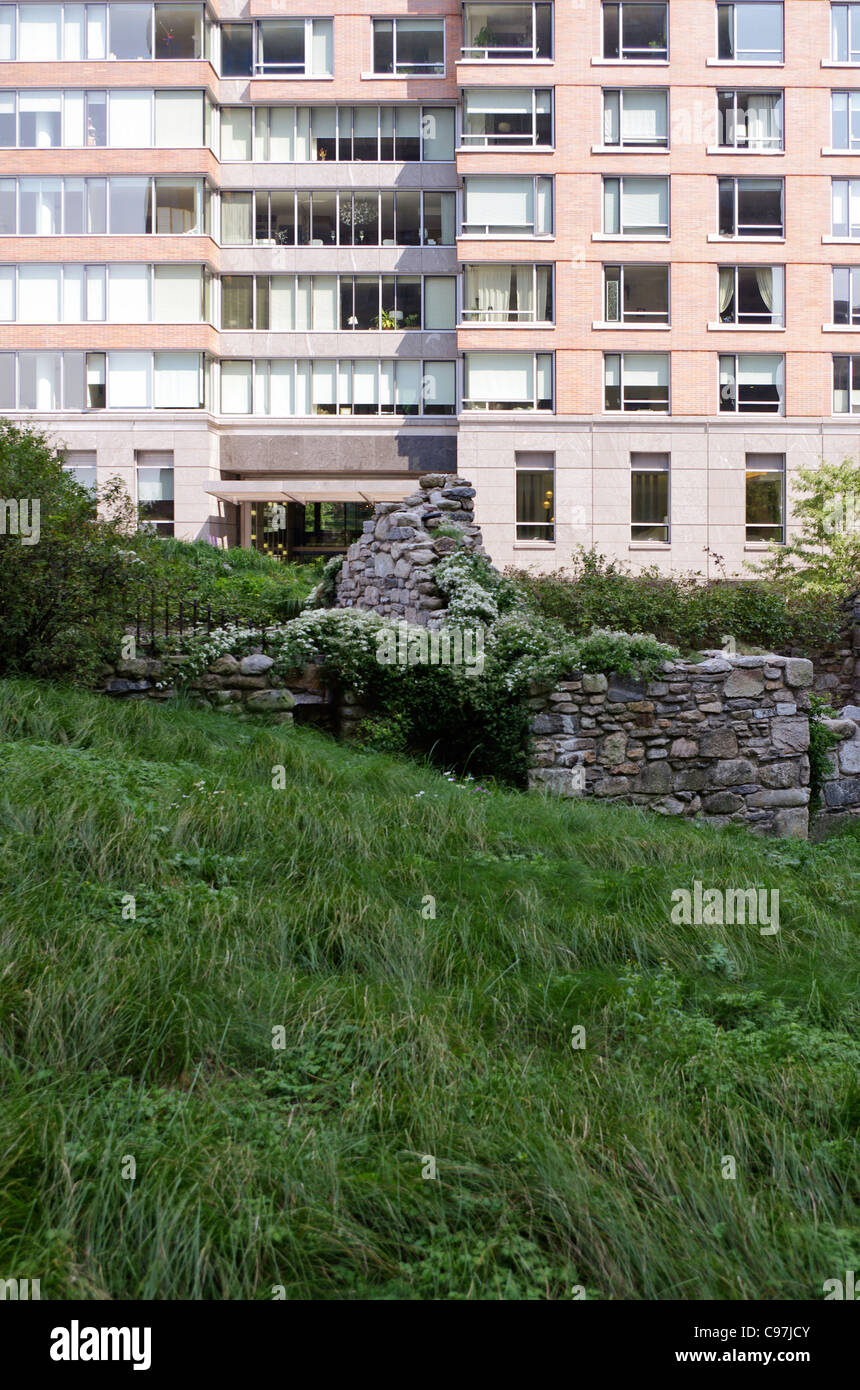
[[332, 488]]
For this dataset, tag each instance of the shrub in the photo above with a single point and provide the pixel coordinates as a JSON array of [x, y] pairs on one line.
[[822, 556], [64, 598], [821, 740], [249, 585]]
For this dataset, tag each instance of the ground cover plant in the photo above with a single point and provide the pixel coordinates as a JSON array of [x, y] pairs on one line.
[[430, 951]]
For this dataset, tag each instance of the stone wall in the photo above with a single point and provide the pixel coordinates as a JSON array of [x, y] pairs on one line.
[[837, 668], [244, 687], [390, 569], [725, 740], [841, 790]]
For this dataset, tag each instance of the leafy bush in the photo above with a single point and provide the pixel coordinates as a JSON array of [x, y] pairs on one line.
[[249, 585], [476, 592], [634, 654], [682, 609], [821, 740], [325, 593], [822, 557], [64, 597]]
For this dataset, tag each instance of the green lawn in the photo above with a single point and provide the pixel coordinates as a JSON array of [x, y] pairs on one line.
[[407, 1036]]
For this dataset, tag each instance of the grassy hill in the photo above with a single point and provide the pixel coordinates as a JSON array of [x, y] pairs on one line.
[[149, 1037]]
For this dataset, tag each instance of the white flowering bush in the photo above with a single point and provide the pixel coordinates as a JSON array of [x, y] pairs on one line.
[[476, 592]]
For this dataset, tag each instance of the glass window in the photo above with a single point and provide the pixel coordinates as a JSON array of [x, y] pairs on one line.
[[130, 206], [507, 33], [752, 383], [294, 47], [236, 388], [40, 208], [750, 120], [129, 379], [765, 497], [81, 464], [535, 496], [409, 47], [845, 33], [518, 293], [179, 120], [8, 200], [8, 132], [237, 50], [750, 31], [177, 381], [39, 294], [750, 207], [507, 205], [39, 380], [518, 116], [177, 206], [437, 133], [635, 32], [846, 385], [130, 31], [155, 492], [7, 381], [636, 381], [179, 31], [40, 120], [845, 110], [649, 497], [7, 33], [507, 381], [235, 132], [636, 207], [130, 119], [40, 33], [636, 117], [753, 294], [237, 301], [636, 293]]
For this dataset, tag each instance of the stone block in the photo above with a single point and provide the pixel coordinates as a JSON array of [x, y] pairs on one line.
[[792, 735], [732, 772], [256, 664], [614, 747], [791, 796], [684, 748], [722, 804], [612, 786], [744, 682], [792, 824], [798, 671]]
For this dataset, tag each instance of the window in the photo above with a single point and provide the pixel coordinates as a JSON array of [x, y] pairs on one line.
[[845, 203], [96, 381], [81, 464], [499, 294], [753, 294], [50, 32], [636, 117], [8, 208], [502, 33], [130, 31], [535, 496], [130, 119], [752, 383], [509, 206], [237, 50], [845, 33], [636, 32], [846, 385], [178, 120], [649, 497], [177, 380], [365, 386], [750, 31], [179, 31], [508, 381], [636, 381], [750, 120], [155, 492], [39, 294], [40, 207], [50, 380], [181, 294], [636, 207], [294, 48], [846, 295], [376, 134], [409, 47], [40, 120], [519, 116], [845, 113], [129, 294], [765, 502], [751, 207], [636, 293]]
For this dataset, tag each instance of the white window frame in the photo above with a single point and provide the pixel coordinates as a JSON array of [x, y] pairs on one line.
[[285, 70], [755, 61], [736, 234], [621, 321], [623, 408], [657, 233], [777, 320], [394, 74], [520, 55], [465, 318], [852, 104], [762, 468], [638, 55], [738, 357], [852, 36], [734, 146], [851, 358], [528, 232], [482, 404], [642, 147], [529, 141], [642, 467]]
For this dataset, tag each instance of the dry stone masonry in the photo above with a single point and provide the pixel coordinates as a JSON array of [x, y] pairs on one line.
[[725, 740], [390, 568]]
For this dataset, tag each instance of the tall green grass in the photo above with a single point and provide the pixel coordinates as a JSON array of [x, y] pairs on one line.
[[408, 1035]]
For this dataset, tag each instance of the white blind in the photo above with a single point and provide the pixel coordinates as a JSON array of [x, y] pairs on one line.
[[499, 376], [7, 293], [282, 395], [177, 380], [178, 120], [440, 383], [236, 388], [321, 48], [73, 119], [325, 302], [96, 31], [408, 376], [281, 122], [497, 101], [759, 369], [643, 117], [282, 294], [7, 33], [324, 383], [39, 33], [73, 294], [645, 203], [128, 379], [96, 300], [499, 202], [439, 301], [39, 294], [128, 296], [130, 119], [646, 369], [177, 294], [235, 132], [74, 29]]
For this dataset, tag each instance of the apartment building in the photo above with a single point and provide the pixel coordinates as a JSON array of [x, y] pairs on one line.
[[266, 260]]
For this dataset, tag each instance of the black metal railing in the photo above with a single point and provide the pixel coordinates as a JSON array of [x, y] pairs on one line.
[[167, 618]]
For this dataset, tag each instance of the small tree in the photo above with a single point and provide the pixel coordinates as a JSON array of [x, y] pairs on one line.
[[824, 556], [67, 578]]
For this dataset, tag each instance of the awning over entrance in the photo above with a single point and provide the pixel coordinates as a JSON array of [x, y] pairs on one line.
[[333, 488]]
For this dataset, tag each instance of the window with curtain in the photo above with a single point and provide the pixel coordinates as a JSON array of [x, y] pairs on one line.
[[636, 117], [752, 383], [752, 294], [845, 202], [507, 293], [765, 498], [846, 295], [635, 381], [155, 491], [235, 132], [750, 120], [535, 481], [636, 206], [236, 388], [40, 117], [649, 497]]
